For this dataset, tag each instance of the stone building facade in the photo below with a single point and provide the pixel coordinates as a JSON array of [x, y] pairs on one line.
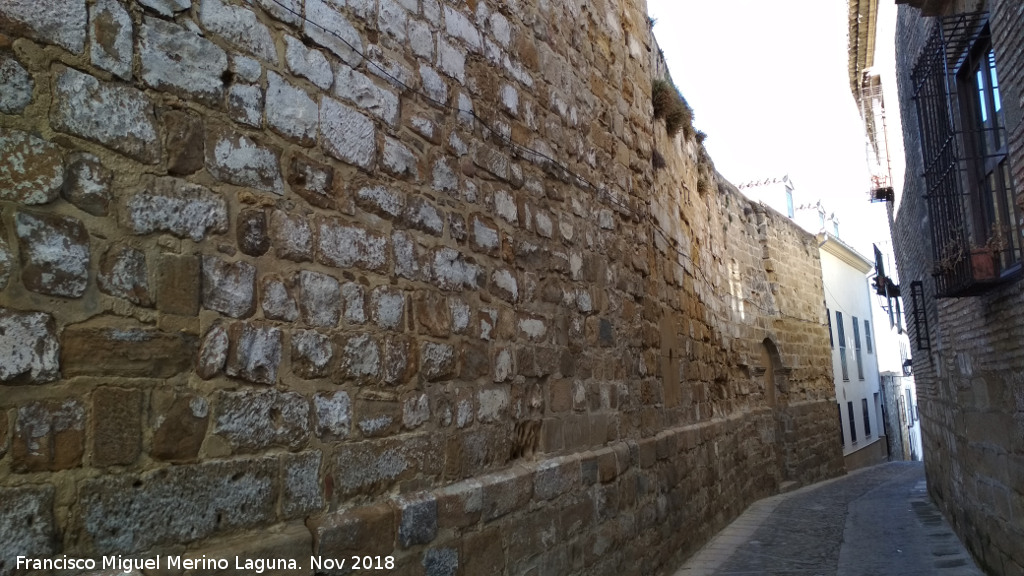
[[958, 248], [286, 278]]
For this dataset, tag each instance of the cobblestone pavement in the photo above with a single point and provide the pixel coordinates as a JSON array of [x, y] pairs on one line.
[[873, 522]]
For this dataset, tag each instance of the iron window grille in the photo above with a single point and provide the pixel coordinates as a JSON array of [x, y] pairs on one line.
[[841, 336], [867, 336], [842, 433], [975, 226], [853, 422], [856, 349], [920, 316]]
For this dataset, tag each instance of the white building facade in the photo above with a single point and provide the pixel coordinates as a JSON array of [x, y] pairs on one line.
[[854, 352]]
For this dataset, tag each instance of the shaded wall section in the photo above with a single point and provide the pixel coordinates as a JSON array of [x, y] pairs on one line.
[[969, 388], [399, 278]]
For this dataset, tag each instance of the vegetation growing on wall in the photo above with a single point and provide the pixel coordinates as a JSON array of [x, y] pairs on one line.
[[670, 105]]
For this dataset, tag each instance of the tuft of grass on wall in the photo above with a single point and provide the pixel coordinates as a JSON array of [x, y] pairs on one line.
[[670, 105]]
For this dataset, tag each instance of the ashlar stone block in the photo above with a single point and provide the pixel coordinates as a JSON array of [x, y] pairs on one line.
[[319, 299], [387, 307], [27, 525], [333, 415], [345, 246], [31, 169], [348, 135], [278, 302], [29, 348], [254, 353], [313, 181], [120, 347], [48, 436], [186, 142], [236, 159], [213, 352], [123, 273], [240, 27], [181, 428], [82, 104], [253, 420], [252, 236], [322, 16], [58, 22], [127, 513], [309, 63], [116, 430], [229, 287], [54, 254], [311, 354], [245, 104], [87, 184], [291, 112], [301, 493], [178, 60], [17, 83], [362, 91], [181, 208], [110, 32], [291, 236]]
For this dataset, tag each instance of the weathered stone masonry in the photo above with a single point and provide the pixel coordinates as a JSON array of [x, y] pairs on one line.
[[265, 290]]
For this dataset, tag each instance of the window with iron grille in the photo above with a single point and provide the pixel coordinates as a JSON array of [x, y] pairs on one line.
[[853, 422], [856, 349], [842, 433], [975, 226], [867, 336], [841, 335], [920, 316], [867, 417]]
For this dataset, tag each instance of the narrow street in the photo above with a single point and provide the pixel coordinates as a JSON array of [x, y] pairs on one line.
[[872, 522]]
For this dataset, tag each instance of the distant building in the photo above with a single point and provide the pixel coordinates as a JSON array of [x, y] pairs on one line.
[[781, 194], [854, 353], [956, 228], [899, 393], [849, 306]]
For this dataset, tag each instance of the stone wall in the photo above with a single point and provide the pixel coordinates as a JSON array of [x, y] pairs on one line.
[[969, 385], [396, 277]]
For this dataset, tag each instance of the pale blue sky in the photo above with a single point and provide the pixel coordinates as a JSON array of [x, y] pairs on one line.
[[768, 84]]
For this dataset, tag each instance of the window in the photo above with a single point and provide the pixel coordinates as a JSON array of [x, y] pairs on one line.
[[842, 434], [976, 236], [909, 404], [867, 336], [867, 417], [880, 416], [835, 228], [853, 423], [856, 349], [789, 202], [841, 335], [920, 316]]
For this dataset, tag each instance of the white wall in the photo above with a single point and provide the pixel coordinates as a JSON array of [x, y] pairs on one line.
[[847, 291]]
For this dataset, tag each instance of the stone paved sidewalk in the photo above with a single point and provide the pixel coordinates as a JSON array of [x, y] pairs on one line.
[[873, 522]]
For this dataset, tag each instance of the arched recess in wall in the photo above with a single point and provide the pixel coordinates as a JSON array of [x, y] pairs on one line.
[[775, 373], [776, 388]]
